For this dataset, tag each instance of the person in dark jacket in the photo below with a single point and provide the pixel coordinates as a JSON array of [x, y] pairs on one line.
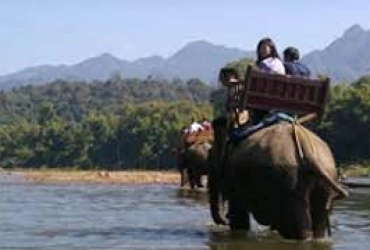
[[292, 64]]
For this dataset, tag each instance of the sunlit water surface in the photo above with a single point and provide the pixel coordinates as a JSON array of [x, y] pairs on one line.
[[95, 216]]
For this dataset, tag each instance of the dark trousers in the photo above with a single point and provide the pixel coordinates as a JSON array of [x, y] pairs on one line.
[[258, 115]]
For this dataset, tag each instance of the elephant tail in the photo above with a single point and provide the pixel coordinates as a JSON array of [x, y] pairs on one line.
[[299, 133]]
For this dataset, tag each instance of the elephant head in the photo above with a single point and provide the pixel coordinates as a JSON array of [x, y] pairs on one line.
[[284, 175]]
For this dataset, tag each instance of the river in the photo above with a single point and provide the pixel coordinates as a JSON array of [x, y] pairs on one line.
[[107, 216]]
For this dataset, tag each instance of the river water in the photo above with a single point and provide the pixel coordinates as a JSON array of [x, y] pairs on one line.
[[104, 216]]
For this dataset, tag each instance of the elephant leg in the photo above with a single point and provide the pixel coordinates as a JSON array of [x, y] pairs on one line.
[[183, 177], [238, 215], [296, 222], [320, 212], [198, 176], [304, 219], [192, 178], [199, 182]]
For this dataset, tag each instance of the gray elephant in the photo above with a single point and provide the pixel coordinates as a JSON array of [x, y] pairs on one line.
[[284, 175], [195, 163]]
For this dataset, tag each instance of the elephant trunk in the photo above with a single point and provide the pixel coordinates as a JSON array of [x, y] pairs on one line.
[[216, 188]]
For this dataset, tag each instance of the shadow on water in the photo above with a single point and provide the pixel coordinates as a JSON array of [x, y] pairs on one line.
[[262, 241]]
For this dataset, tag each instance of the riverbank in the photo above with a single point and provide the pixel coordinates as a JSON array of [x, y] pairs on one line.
[[356, 171], [82, 176], [131, 176]]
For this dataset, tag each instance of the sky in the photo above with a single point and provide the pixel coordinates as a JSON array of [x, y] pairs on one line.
[[38, 32]]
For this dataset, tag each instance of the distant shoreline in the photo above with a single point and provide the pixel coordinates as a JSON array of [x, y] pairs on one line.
[[130, 176], [98, 176]]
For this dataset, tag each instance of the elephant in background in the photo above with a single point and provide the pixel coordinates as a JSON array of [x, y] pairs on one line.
[[194, 163], [284, 175]]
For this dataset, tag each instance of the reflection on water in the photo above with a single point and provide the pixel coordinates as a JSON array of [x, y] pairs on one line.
[[242, 241], [39, 216], [197, 196]]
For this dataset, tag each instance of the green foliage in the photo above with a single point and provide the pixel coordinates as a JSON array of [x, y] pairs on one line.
[[73, 100], [241, 66], [218, 99], [111, 125], [135, 123], [150, 130], [346, 125]]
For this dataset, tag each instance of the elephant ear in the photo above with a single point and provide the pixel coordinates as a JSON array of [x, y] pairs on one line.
[[315, 154]]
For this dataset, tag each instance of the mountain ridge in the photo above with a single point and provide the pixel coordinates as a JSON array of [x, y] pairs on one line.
[[197, 59], [342, 60], [345, 58]]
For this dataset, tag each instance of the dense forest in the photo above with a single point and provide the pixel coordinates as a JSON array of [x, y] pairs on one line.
[[73, 100], [113, 124], [134, 123]]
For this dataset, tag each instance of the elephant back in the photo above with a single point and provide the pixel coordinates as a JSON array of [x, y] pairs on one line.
[[199, 137], [272, 146], [284, 149], [199, 150], [275, 147]]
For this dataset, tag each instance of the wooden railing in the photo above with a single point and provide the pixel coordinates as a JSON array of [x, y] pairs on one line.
[[286, 93]]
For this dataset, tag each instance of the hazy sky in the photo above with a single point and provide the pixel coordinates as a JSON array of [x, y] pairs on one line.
[[34, 32]]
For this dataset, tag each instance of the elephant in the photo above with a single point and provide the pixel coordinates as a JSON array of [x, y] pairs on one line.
[[194, 162], [284, 175]]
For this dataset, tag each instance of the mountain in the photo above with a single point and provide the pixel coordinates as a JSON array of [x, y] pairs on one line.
[[345, 59], [202, 59], [199, 59]]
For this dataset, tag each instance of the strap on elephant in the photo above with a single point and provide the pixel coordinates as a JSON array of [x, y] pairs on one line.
[[298, 144], [305, 165], [342, 193]]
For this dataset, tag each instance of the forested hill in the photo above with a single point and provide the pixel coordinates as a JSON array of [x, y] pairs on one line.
[[73, 100], [112, 124], [136, 123]]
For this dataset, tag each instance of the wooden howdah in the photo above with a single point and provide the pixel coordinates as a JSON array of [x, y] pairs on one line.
[[295, 94], [199, 137]]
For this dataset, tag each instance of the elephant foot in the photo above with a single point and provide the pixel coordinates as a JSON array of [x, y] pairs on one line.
[[239, 225], [238, 217], [303, 235]]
